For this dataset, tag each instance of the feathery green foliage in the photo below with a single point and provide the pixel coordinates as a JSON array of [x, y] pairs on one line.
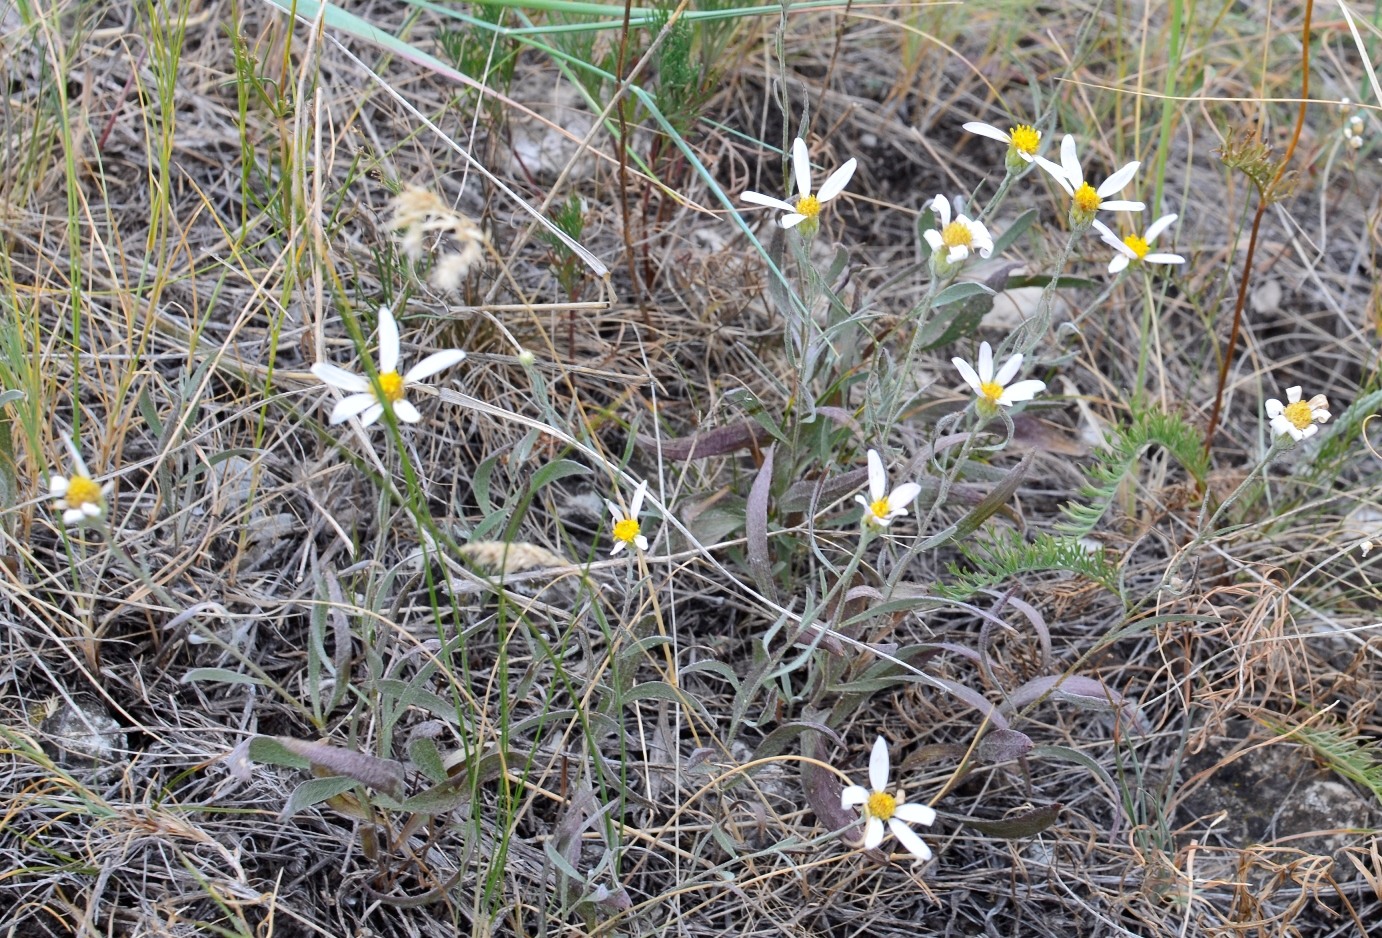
[[1007, 557], [1349, 755], [1126, 446]]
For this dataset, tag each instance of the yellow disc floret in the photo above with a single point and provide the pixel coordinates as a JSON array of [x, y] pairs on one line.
[[391, 383], [991, 390], [809, 205], [1087, 200], [1025, 139], [881, 805], [1299, 413], [879, 509], [626, 530], [1137, 245], [81, 491], [956, 235]]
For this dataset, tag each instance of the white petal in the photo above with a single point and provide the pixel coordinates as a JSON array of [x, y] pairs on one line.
[[908, 838], [865, 502], [1056, 173], [759, 199], [388, 341], [873, 833], [618, 546], [636, 505], [1111, 239], [967, 372], [93, 510], [1008, 371], [1293, 394], [853, 795], [792, 220], [878, 765], [902, 496], [933, 239], [77, 462], [958, 253], [1022, 391], [57, 485], [1274, 407], [1158, 226], [1070, 162], [371, 414], [801, 167], [1120, 205], [352, 406], [1163, 259], [437, 361], [1119, 262], [405, 411], [837, 181], [615, 511], [878, 476], [985, 362], [75, 515], [1311, 430], [642, 542], [916, 814], [987, 130], [941, 206], [1119, 180], [328, 373]]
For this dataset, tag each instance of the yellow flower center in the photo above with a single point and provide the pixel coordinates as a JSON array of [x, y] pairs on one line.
[[1299, 413], [991, 391], [391, 383], [879, 509], [1024, 139], [82, 491], [1138, 245], [626, 530], [1087, 200], [956, 235], [809, 205], [881, 805]]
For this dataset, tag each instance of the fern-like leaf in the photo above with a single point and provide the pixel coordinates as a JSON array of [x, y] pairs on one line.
[[1127, 444], [1011, 556]]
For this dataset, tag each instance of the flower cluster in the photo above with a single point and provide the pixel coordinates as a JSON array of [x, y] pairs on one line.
[[79, 497], [1296, 418], [807, 207]]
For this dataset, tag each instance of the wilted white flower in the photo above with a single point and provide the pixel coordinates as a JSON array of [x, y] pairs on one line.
[[807, 206], [77, 496], [1088, 200], [959, 237], [994, 390], [1023, 142], [368, 402], [1135, 247], [1298, 418], [881, 808], [882, 506], [626, 528], [425, 225]]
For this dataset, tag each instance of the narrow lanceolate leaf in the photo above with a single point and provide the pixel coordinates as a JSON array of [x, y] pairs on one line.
[[383, 774], [756, 525], [1024, 824]]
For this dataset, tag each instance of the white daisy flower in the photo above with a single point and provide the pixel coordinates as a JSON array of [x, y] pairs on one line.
[[882, 808], [807, 206], [1298, 418], [1087, 199], [882, 506], [994, 390], [367, 402], [77, 496], [1023, 142], [960, 237], [626, 528], [1135, 248]]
